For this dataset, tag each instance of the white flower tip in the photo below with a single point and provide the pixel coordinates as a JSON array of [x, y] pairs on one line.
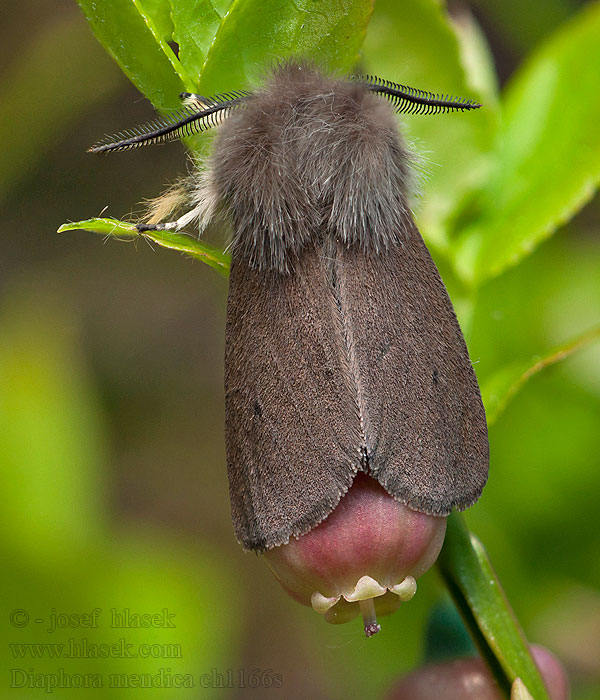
[[405, 590], [321, 603], [366, 587]]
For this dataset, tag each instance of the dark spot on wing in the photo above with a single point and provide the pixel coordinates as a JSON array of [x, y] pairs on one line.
[[383, 350]]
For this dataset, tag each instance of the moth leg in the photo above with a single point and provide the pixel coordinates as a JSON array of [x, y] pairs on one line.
[[176, 225]]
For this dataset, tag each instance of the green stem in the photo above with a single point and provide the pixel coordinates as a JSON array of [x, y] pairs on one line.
[[478, 595]]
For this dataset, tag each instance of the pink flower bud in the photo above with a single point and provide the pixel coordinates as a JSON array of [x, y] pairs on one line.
[[365, 556], [470, 679]]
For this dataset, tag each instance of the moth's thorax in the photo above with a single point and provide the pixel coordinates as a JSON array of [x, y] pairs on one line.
[[308, 158]]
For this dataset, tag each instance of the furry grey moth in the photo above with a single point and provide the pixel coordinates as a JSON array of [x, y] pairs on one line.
[[343, 352]]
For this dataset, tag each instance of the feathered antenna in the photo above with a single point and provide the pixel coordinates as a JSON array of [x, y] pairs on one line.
[[199, 114], [408, 100]]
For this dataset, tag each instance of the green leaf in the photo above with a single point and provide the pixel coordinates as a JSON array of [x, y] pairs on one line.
[[112, 227], [160, 11], [413, 42], [132, 38], [191, 246], [183, 242], [478, 595], [548, 154], [256, 33], [500, 389], [195, 25]]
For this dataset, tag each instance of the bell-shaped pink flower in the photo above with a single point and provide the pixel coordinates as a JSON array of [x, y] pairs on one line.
[[365, 556]]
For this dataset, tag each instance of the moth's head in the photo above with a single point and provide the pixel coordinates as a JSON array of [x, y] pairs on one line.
[[310, 159], [306, 158]]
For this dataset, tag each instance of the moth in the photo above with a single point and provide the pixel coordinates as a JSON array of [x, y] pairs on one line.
[[343, 351]]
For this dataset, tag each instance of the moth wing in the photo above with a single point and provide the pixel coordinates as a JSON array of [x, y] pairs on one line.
[[424, 422], [292, 426]]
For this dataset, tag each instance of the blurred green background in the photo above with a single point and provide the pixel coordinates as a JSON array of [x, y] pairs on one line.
[[113, 484]]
